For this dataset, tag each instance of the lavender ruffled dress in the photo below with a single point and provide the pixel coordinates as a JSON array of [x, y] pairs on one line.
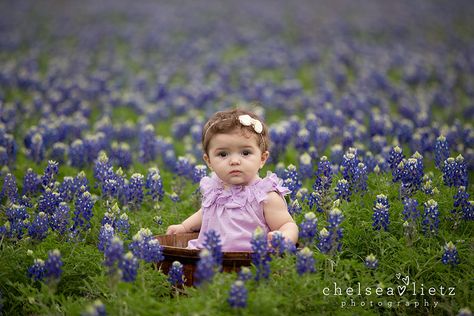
[[235, 212]]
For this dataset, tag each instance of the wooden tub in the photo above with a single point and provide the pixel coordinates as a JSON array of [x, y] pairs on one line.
[[174, 249]]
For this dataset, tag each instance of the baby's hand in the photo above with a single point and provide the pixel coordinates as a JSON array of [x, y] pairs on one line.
[[271, 235], [176, 229]]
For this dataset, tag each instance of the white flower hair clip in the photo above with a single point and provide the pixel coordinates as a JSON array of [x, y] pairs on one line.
[[247, 120]]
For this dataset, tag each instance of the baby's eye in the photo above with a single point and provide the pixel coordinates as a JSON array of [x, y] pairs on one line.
[[222, 154], [246, 152]]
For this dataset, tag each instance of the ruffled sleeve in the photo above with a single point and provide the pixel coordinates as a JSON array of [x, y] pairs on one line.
[[271, 183]]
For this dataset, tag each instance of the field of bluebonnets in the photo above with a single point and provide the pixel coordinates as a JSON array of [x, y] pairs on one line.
[[370, 108]]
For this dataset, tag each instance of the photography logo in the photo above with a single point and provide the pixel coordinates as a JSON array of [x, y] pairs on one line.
[[405, 292]]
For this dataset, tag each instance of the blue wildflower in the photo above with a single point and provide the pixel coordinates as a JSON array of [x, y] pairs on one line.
[[306, 166], [238, 295], [175, 274], [121, 155], [52, 266], [371, 262], [302, 141], [455, 172], [349, 166], [305, 261], [184, 168], [103, 169], [292, 180], [308, 228], [323, 176], [212, 242], [129, 267], [394, 159], [38, 229], [199, 172], [430, 221], [106, 234], [83, 211], [37, 148], [59, 220], [154, 184], [205, 267], [50, 173], [49, 201], [113, 254], [294, 208], [10, 189], [66, 189], [58, 152], [450, 255], [360, 178], [18, 220], [122, 225], [144, 246], [37, 270], [81, 184], [330, 236], [78, 154], [410, 211], [135, 190], [343, 190], [380, 217], [244, 274], [260, 256], [31, 183], [148, 147], [441, 151]]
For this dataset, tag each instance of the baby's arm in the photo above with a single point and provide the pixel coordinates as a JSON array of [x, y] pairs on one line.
[[190, 224], [277, 217]]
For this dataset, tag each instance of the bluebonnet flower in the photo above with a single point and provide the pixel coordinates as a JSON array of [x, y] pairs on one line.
[[174, 197], [121, 155], [59, 152], [430, 218], [464, 312], [4, 159], [244, 274], [106, 234], [154, 184], [31, 183], [199, 172], [94, 144], [113, 254], [145, 246], [349, 166], [380, 217], [148, 147], [302, 141], [302, 195], [184, 167], [96, 309], [175, 274], [337, 154], [37, 148], [103, 169], [343, 190], [18, 220], [50, 173], [260, 256], [395, 157], [280, 136], [371, 262], [66, 189], [83, 211], [212, 242], [305, 261], [81, 183], [52, 266], [48, 201], [10, 189], [450, 255], [122, 225], [129, 267], [330, 236], [135, 190], [360, 178], [461, 204], [37, 270], [59, 220], [308, 228], [412, 175], [158, 220], [78, 154], [323, 176], [238, 295], [410, 211], [38, 229], [294, 208], [292, 180], [306, 166], [280, 244], [441, 151], [205, 267], [455, 172]]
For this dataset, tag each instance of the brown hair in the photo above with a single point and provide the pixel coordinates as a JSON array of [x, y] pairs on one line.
[[226, 121]]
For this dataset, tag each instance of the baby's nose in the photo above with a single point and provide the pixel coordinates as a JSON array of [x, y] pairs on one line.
[[234, 160]]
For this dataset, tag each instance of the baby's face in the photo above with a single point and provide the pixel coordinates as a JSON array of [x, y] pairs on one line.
[[235, 157]]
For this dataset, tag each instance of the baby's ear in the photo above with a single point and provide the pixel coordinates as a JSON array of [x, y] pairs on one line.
[[264, 158], [207, 160]]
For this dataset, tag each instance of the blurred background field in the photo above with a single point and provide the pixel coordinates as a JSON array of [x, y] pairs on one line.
[[135, 81]]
